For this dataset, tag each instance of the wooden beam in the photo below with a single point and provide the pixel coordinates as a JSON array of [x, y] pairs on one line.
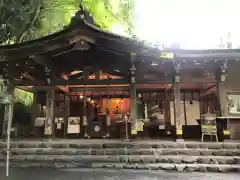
[[44, 62], [28, 89], [209, 90], [71, 82], [107, 82], [63, 88], [168, 80], [28, 76], [99, 89], [125, 94], [41, 60]]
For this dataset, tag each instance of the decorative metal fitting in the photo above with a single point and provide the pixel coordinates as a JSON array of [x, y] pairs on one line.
[[223, 78], [133, 79], [82, 45], [177, 67], [133, 69], [47, 70], [224, 67], [177, 79], [225, 64]]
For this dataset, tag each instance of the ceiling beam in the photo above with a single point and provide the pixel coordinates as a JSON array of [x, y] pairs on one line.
[[160, 80], [41, 60], [46, 62], [72, 82], [99, 89]]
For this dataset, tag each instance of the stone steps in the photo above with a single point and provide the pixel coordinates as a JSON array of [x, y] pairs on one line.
[[125, 151], [119, 144], [186, 156], [131, 159], [157, 166]]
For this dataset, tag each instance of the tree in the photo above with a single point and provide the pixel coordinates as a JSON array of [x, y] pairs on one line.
[[38, 18]]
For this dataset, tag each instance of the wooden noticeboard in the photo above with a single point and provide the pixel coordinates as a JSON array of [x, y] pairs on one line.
[[209, 124]]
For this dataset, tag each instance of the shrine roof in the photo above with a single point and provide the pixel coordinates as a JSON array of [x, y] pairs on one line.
[[81, 30], [82, 44], [72, 35]]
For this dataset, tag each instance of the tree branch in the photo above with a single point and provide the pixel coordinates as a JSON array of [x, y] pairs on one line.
[[29, 26]]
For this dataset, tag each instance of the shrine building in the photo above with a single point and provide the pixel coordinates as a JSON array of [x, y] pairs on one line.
[[94, 84]]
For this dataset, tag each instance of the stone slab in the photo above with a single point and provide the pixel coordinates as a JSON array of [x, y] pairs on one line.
[[115, 144], [145, 159], [157, 166]]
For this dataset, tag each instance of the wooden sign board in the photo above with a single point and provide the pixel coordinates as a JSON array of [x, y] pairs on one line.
[[167, 55], [209, 123], [73, 125]]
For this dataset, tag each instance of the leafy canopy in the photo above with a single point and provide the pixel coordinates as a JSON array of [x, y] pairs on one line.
[[24, 20]]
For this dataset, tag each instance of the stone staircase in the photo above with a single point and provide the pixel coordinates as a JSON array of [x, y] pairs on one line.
[[171, 156]]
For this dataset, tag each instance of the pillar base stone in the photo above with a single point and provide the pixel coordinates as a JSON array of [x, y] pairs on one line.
[[179, 138]]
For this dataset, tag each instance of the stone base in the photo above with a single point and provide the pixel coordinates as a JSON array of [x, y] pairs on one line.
[[179, 138]]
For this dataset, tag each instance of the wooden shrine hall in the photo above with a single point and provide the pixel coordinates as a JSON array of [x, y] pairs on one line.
[[91, 83]]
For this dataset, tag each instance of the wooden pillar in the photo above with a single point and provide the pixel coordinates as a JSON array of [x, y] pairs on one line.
[[10, 105], [35, 111], [177, 101], [34, 114], [184, 108], [67, 113], [50, 114], [221, 78], [8, 102], [108, 121], [47, 124], [167, 110], [85, 121], [201, 104], [133, 96], [145, 112]]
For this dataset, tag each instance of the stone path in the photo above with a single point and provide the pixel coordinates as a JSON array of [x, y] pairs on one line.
[[98, 174]]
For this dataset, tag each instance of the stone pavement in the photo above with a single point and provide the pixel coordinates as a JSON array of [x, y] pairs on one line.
[[103, 174], [117, 154]]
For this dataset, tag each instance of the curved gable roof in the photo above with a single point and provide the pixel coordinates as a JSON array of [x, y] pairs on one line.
[[82, 30]]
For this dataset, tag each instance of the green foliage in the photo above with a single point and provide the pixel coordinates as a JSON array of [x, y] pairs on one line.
[[23, 97], [24, 20], [54, 15], [16, 21], [109, 12]]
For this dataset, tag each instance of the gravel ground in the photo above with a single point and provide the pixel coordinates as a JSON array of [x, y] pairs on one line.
[[88, 174]]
